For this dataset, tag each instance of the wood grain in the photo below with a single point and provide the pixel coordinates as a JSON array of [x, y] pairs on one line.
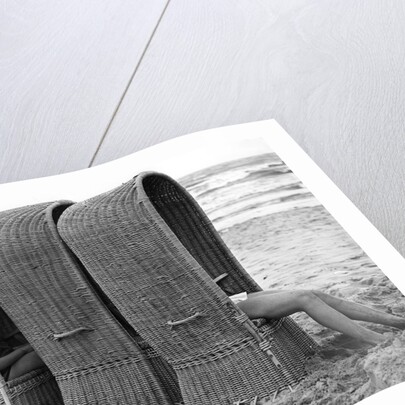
[[63, 69], [330, 72]]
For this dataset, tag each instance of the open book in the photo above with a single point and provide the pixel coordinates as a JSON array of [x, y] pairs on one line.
[[290, 228]]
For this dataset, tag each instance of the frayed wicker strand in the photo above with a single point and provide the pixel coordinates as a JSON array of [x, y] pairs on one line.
[[189, 319], [71, 333], [275, 394], [266, 347], [220, 277]]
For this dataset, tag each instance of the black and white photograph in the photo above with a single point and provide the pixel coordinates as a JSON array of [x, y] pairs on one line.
[[189, 273]]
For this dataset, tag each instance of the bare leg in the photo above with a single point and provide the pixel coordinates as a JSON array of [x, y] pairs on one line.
[[277, 305], [354, 310], [31, 361], [360, 312]]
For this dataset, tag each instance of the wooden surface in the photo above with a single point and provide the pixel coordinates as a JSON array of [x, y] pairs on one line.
[[330, 72], [63, 69]]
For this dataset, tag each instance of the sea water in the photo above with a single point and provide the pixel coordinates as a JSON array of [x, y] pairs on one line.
[[236, 191], [287, 240]]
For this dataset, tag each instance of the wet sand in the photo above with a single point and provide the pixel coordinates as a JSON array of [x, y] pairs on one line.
[[305, 248]]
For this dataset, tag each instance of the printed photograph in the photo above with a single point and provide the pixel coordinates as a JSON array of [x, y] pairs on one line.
[[223, 281]]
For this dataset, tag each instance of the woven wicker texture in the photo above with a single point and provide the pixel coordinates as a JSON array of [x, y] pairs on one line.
[[152, 256], [35, 388], [45, 293], [7, 327]]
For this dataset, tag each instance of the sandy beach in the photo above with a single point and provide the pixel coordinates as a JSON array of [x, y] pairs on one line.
[[307, 249], [286, 240]]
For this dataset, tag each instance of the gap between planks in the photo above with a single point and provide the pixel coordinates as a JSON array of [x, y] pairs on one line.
[[129, 84]]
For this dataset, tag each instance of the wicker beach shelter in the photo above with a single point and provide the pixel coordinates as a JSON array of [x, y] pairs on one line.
[[37, 387], [34, 388], [156, 255], [46, 293]]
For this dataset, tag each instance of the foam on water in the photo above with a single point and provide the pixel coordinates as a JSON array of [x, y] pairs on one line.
[[257, 186], [286, 240]]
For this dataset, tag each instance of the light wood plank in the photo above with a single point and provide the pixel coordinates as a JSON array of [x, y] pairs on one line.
[[330, 72], [63, 68]]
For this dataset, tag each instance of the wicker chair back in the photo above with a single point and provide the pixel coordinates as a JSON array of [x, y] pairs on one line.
[[155, 255], [46, 293], [35, 388]]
